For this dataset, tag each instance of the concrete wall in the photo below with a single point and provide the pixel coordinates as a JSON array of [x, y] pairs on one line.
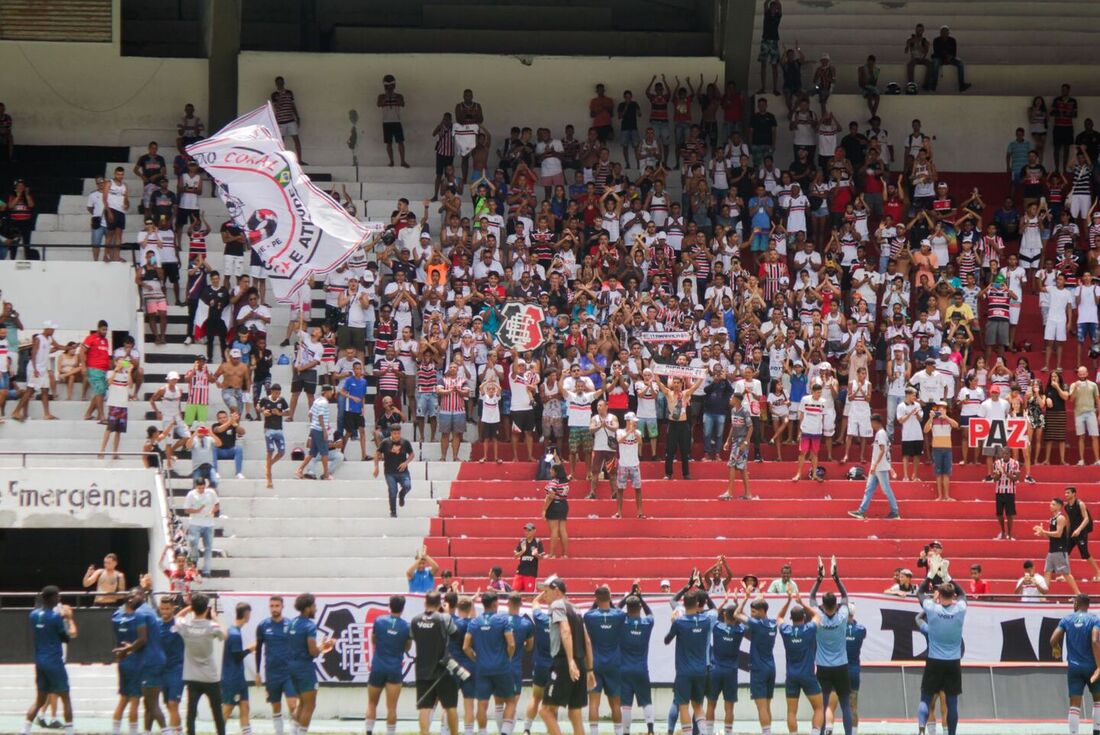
[[548, 90], [61, 292], [87, 94]]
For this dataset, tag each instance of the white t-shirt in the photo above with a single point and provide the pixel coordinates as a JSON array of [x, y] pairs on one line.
[[551, 165], [490, 408], [647, 400], [911, 429], [628, 447], [95, 203], [580, 408], [521, 399], [1087, 311], [929, 386], [189, 200], [204, 502], [994, 408], [882, 444], [609, 429], [1059, 300]]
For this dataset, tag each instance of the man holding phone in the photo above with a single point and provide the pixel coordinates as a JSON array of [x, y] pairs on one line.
[[940, 425]]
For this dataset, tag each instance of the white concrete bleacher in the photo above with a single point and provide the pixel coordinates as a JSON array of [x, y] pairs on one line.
[[1005, 44]]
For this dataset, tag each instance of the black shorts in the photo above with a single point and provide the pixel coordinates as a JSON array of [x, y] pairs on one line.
[[1081, 543], [836, 680], [117, 221], [490, 431], [562, 691], [445, 693], [1006, 506], [913, 448], [605, 133], [523, 421], [442, 162], [306, 381], [558, 510], [392, 132], [171, 272], [183, 217], [353, 422], [941, 676]]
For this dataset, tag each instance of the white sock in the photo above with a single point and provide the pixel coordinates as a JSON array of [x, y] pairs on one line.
[[685, 729], [481, 731], [593, 727], [498, 715], [930, 728], [815, 731], [710, 727], [468, 728], [527, 723], [294, 727], [1095, 717], [855, 729], [618, 729], [1074, 720], [648, 712], [765, 731], [133, 728], [391, 729], [27, 724], [68, 728], [302, 730], [509, 726], [628, 717], [277, 723], [246, 730]]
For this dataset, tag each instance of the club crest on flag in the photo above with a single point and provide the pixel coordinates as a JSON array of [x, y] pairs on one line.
[[522, 327]]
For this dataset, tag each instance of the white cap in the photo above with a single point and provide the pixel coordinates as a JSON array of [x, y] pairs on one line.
[[48, 325], [824, 366], [666, 583], [630, 416], [173, 375], [234, 353]]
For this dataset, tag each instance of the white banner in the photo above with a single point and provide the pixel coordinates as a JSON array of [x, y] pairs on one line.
[[678, 371], [295, 227], [85, 498], [994, 632], [662, 337]]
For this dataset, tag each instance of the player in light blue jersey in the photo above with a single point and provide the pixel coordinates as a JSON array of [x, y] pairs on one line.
[[832, 643], [172, 644], [634, 647], [762, 632], [604, 624], [489, 643], [131, 636], [725, 654], [272, 635], [234, 683], [945, 608], [857, 633], [303, 647], [152, 668], [390, 640], [1080, 632], [540, 675], [691, 631], [52, 626], [800, 637], [523, 632]]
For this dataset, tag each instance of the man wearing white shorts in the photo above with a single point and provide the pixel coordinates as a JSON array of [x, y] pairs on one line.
[[1059, 317], [859, 413]]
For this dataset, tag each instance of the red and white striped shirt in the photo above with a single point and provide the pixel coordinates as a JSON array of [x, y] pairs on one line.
[[389, 375], [284, 106], [452, 401]]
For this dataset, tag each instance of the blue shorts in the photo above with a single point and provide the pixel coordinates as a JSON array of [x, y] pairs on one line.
[[1092, 329], [234, 692], [318, 443], [275, 441], [51, 679], [608, 681], [802, 684], [380, 678], [941, 461], [304, 680], [129, 681], [152, 678], [759, 242], [762, 683], [1078, 679], [5, 381], [495, 685], [453, 423], [853, 678], [540, 676], [427, 405], [173, 684], [722, 682], [279, 687], [636, 687], [468, 687], [690, 688], [517, 680]]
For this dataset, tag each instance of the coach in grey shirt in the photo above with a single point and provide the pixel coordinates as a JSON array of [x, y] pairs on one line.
[[201, 667]]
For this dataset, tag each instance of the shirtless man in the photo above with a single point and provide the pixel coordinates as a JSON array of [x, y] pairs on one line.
[[480, 156], [235, 381]]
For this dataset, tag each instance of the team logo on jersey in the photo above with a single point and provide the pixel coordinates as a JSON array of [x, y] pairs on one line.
[[523, 327], [350, 625]]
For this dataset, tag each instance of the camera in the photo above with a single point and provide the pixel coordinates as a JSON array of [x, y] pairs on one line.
[[457, 670], [389, 236]]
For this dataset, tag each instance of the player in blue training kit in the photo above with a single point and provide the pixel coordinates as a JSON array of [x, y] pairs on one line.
[[234, 682], [762, 632], [52, 626], [171, 643], [303, 647], [463, 614], [390, 640], [152, 672], [800, 644], [634, 647], [856, 634], [946, 613], [131, 636], [1080, 633], [604, 624], [273, 634], [490, 644], [523, 632], [832, 644], [725, 651], [691, 631], [540, 674]]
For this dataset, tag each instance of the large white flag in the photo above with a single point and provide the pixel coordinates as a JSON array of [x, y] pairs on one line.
[[295, 227]]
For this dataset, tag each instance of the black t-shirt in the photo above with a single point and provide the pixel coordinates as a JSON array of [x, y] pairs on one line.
[[235, 247], [152, 166], [1033, 178], [406, 267], [1091, 140], [762, 124], [628, 114], [394, 454], [528, 562], [267, 404], [228, 437], [261, 369], [161, 202], [772, 17], [431, 633]]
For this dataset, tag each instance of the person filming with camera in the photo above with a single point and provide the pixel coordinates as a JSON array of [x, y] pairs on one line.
[[436, 671]]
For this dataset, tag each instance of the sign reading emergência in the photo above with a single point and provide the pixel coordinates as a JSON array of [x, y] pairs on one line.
[[43, 498]]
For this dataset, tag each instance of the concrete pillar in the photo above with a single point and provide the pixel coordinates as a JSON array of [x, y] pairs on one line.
[[221, 35], [738, 18]]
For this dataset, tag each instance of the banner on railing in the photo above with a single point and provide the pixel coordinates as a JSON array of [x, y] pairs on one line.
[[994, 632], [665, 337], [679, 371], [296, 229], [86, 498], [1010, 433]]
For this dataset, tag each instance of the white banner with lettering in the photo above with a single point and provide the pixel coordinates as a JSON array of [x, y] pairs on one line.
[[679, 371], [296, 229], [87, 498], [994, 632]]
